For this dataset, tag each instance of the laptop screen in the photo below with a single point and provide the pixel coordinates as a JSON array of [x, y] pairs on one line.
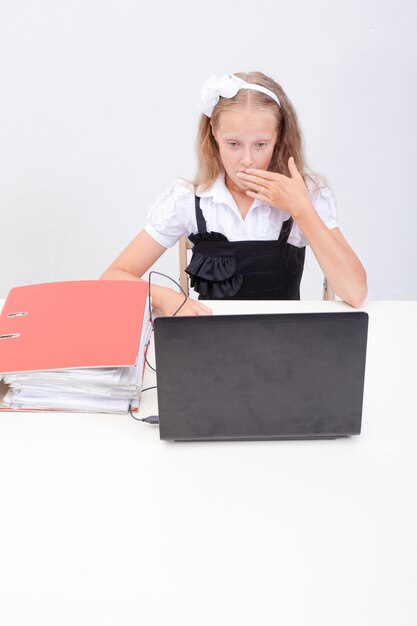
[[262, 376]]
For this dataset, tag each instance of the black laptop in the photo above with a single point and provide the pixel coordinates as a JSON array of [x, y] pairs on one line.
[[262, 376]]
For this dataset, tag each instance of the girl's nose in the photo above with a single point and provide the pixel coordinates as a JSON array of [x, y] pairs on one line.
[[247, 159]]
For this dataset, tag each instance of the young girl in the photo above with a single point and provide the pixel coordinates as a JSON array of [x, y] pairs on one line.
[[251, 209]]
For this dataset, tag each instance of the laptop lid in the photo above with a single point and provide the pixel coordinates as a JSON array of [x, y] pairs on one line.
[[262, 376]]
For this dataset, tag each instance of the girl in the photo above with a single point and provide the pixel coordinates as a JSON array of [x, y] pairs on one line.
[[250, 210]]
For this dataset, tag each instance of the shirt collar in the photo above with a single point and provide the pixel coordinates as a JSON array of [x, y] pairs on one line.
[[221, 195]]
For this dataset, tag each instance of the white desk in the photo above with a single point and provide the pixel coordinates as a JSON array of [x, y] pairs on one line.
[[102, 523]]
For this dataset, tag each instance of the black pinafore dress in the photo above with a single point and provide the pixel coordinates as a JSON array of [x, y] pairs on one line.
[[244, 270]]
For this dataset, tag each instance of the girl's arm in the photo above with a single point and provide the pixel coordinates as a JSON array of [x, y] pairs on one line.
[[342, 268], [136, 259]]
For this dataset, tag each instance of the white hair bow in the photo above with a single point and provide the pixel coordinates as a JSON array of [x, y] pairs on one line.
[[227, 86]]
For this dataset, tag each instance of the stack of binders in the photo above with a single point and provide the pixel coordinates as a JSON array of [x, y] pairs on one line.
[[74, 346]]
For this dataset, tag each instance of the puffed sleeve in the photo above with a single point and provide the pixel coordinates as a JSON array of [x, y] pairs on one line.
[[170, 216], [324, 203]]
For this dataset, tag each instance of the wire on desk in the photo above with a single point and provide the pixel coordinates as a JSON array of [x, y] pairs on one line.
[[146, 358], [154, 419], [176, 283], [151, 419], [150, 308]]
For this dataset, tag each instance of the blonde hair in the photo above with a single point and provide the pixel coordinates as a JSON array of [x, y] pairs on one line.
[[289, 138]]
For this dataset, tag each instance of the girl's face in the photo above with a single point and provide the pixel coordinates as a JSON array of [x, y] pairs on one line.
[[246, 138]]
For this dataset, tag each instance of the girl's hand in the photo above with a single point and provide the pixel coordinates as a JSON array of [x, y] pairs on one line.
[[282, 192], [167, 301]]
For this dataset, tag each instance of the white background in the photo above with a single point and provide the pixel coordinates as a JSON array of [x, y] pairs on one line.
[[97, 118]]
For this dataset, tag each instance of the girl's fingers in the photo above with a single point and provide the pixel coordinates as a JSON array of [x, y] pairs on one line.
[[250, 178], [264, 174], [202, 309], [193, 307], [258, 189]]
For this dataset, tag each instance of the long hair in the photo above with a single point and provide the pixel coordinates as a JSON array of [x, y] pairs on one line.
[[289, 135]]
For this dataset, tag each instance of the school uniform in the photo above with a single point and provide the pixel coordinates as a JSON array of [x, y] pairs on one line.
[[260, 257]]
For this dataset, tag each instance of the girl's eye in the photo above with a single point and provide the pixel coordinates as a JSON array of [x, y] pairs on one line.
[[234, 144]]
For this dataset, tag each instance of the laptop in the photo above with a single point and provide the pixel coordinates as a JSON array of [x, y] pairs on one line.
[[261, 376]]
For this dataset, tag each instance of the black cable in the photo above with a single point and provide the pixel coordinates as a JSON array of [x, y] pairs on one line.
[[146, 358], [154, 419], [151, 419], [148, 364], [175, 282], [138, 419], [150, 309]]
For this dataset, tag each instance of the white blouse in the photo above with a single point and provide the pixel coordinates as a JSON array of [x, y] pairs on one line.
[[172, 215]]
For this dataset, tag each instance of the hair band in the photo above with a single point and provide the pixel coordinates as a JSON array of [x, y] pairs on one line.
[[226, 86]]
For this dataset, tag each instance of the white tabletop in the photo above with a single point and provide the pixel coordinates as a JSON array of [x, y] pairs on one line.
[[102, 523]]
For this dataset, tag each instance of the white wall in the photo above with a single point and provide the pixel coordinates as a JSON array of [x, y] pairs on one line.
[[97, 117]]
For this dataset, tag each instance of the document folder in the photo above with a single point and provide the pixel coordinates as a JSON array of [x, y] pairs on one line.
[[52, 333]]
